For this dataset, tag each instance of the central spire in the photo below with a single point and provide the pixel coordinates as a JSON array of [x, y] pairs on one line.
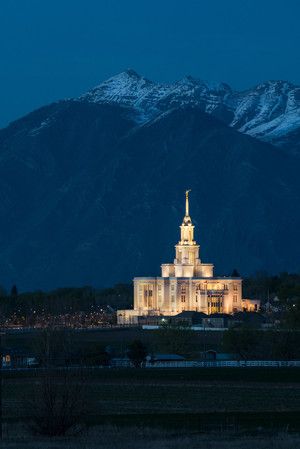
[[187, 213], [187, 218], [187, 228]]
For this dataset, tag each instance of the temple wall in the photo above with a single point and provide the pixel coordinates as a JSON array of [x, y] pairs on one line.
[[174, 295], [186, 284]]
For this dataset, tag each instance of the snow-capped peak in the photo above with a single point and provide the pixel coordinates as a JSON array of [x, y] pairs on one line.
[[149, 99], [268, 111], [124, 88]]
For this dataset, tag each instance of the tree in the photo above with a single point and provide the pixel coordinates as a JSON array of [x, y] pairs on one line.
[[14, 291], [137, 353], [292, 314], [58, 403]]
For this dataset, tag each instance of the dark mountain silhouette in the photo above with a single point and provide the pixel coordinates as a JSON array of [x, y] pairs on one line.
[[90, 196]]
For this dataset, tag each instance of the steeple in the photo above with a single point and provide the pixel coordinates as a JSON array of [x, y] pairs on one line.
[[187, 218], [187, 228]]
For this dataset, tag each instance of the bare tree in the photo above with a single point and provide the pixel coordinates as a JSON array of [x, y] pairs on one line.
[[59, 402]]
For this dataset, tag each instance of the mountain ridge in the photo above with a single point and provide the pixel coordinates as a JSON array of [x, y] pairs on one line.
[[93, 192], [269, 111]]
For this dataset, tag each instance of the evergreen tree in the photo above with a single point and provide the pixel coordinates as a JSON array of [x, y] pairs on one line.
[[137, 353], [14, 291], [235, 274]]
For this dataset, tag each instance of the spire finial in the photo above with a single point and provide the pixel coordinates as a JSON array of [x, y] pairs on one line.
[[187, 213]]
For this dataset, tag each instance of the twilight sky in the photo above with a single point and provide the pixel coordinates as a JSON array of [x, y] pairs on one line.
[[53, 49]]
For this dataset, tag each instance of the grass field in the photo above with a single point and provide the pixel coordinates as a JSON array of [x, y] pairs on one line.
[[171, 396], [112, 437], [230, 408], [118, 338]]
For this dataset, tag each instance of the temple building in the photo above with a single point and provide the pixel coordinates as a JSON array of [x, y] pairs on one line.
[[187, 284]]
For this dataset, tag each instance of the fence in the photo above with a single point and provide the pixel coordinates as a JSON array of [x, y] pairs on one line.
[[177, 364], [228, 363]]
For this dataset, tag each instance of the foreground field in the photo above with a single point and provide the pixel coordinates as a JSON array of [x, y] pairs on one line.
[[196, 398], [108, 437], [118, 338]]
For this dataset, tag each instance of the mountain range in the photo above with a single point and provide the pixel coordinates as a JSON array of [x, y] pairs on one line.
[[269, 111], [92, 188]]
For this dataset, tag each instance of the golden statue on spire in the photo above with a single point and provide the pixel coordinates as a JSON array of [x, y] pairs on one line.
[[187, 213]]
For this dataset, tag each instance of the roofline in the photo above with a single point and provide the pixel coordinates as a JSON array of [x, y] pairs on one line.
[[190, 278]]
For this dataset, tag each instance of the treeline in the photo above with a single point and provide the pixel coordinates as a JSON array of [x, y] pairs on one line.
[[65, 300], [86, 299], [263, 286]]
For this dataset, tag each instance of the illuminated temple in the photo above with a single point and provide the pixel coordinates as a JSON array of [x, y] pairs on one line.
[[187, 284]]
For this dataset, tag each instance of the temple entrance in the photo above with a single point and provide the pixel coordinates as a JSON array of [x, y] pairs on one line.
[[215, 301]]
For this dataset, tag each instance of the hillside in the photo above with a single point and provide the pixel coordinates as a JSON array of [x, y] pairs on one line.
[[91, 195]]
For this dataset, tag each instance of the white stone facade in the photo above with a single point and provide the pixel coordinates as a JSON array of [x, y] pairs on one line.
[[185, 284]]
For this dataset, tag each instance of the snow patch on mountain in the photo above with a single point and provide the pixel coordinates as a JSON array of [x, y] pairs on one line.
[[125, 88], [44, 124], [150, 99], [269, 111]]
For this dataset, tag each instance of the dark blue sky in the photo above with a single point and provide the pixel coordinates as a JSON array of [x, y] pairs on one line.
[[52, 49]]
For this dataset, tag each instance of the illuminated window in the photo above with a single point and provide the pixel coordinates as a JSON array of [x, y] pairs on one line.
[[235, 287], [234, 298]]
